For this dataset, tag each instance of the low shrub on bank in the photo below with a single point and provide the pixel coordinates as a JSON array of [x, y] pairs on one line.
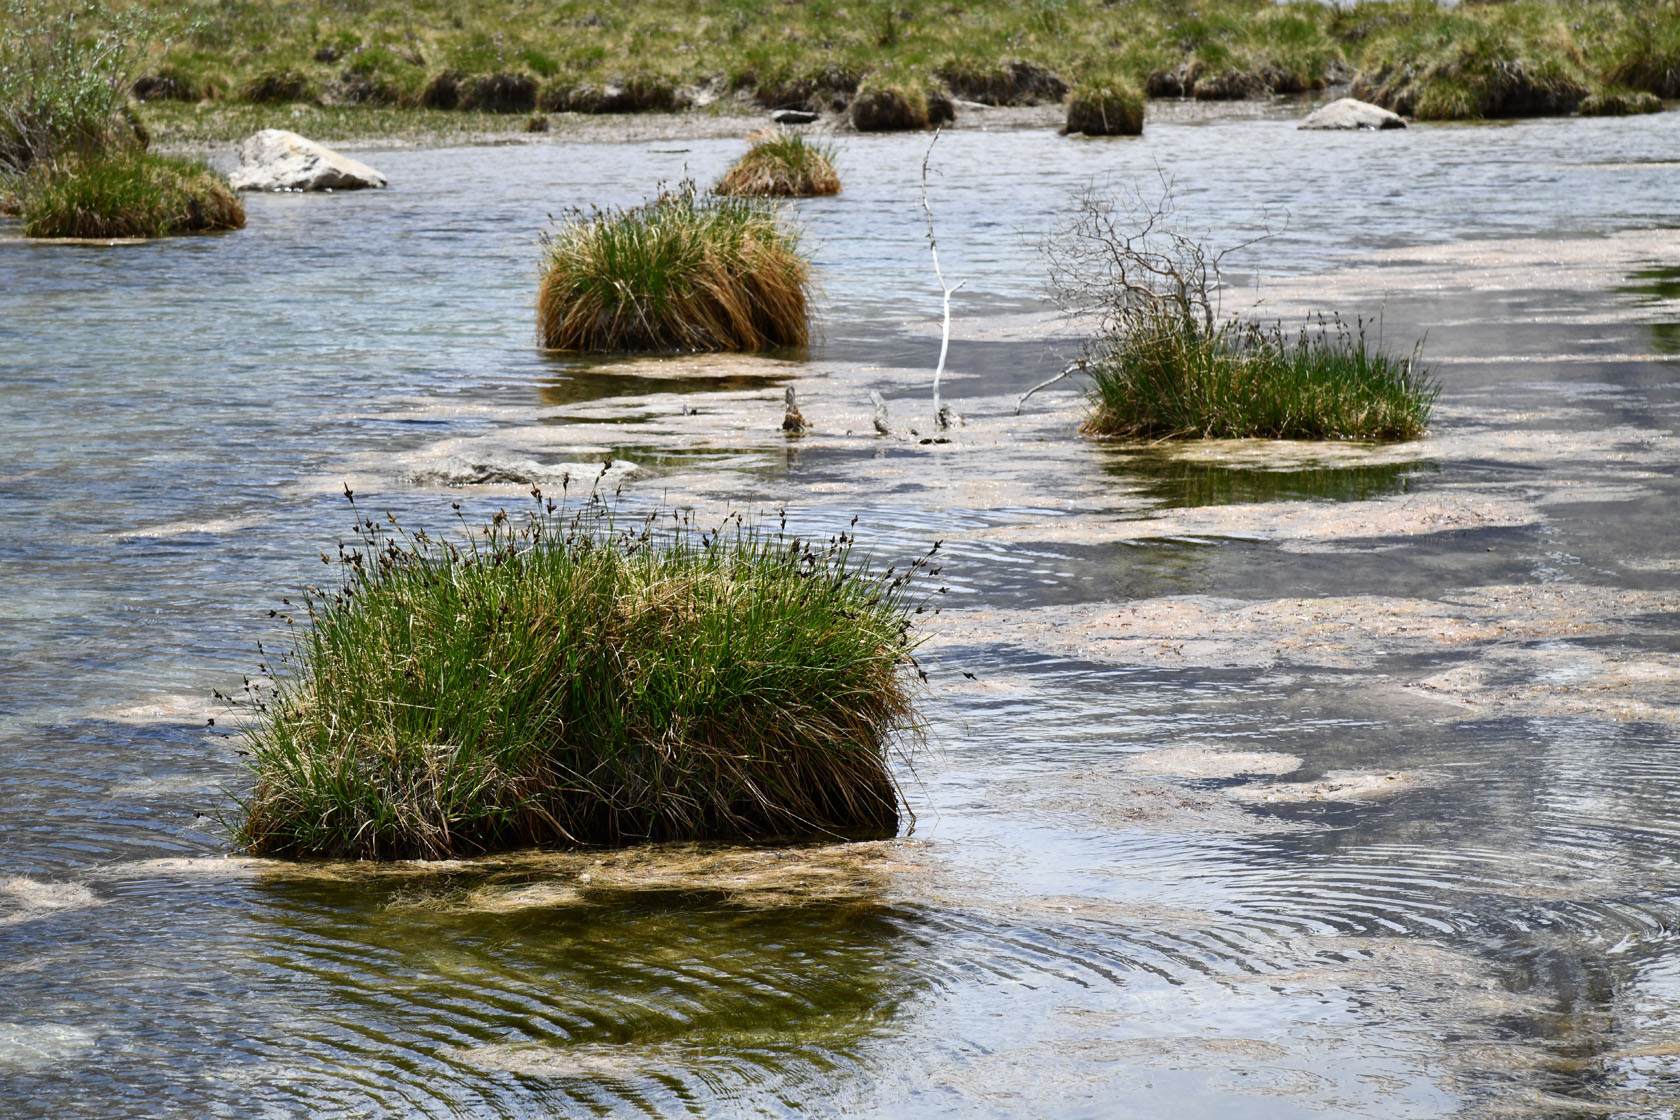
[[554, 682], [1171, 379], [782, 164], [1108, 108], [679, 273], [128, 194]]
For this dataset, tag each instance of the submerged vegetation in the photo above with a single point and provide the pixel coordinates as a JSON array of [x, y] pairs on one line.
[[72, 153], [784, 165], [683, 272], [552, 680], [1516, 57], [1165, 364]]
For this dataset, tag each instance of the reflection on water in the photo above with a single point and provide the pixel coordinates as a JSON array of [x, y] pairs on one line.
[[1183, 483], [1659, 286], [1493, 930]]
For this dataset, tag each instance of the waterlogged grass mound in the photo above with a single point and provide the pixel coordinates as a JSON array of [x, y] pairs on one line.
[[1112, 108], [554, 682], [126, 194], [1172, 379], [782, 165], [679, 273]]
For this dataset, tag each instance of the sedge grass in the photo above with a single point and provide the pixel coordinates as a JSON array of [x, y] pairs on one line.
[[1168, 378], [680, 273], [782, 165], [1108, 108], [553, 681], [128, 194]]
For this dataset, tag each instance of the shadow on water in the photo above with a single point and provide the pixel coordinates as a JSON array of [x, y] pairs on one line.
[[576, 380], [1179, 483], [1654, 286]]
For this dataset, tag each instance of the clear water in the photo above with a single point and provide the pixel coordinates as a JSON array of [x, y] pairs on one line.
[[1067, 938]]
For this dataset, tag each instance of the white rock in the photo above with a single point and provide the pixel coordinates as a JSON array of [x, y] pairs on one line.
[[1351, 113], [277, 160]]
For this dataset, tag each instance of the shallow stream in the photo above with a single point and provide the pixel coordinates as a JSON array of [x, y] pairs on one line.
[[1266, 780]]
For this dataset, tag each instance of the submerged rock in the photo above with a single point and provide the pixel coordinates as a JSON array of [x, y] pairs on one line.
[[277, 160], [1351, 113]]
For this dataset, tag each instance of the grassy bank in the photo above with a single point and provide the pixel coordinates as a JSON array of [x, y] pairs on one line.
[[681, 273], [550, 680], [1167, 380], [1522, 56]]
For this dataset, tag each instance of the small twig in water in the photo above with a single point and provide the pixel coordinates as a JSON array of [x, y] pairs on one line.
[[941, 415], [1073, 367], [883, 426]]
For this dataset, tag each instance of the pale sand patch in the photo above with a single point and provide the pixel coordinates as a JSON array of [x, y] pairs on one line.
[[1209, 762], [1596, 684], [1335, 786], [26, 1047], [1123, 800], [171, 708], [1332, 632], [23, 899]]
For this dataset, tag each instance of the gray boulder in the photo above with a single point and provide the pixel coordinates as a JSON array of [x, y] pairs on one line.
[[277, 160], [1351, 113]]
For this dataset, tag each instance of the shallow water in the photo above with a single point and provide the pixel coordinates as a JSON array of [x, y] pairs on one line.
[[1449, 885]]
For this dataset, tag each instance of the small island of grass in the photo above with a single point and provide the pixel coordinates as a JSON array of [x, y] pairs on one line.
[[680, 273], [782, 165], [554, 682]]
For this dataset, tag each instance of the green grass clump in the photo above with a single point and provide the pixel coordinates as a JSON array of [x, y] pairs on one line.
[[554, 682], [127, 194], [680, 273], [785, 165], [886, 104], [1169, 378], [1111, 108]]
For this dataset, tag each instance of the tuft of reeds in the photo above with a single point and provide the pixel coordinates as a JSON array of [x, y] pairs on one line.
[[680, 273], [126, 194], [1168, 377], [782, 165], [553, 680], [1111, 108]]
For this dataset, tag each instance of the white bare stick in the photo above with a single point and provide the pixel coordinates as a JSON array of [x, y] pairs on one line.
[[1073, 368], [941, 417]]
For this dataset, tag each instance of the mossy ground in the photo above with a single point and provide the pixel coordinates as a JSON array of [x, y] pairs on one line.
[[553, 680]]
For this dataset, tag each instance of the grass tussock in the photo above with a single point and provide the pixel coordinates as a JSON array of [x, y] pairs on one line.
[[888, 105], [1111, 108], [680, 273], [1167, 379], [553, 681], [132, 194], [782, 165]]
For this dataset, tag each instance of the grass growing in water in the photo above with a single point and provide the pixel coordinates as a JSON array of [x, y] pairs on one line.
[[1165, 364], [782, 164], [557, 682], [128, 194], [679, 273], [1168, 379]]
